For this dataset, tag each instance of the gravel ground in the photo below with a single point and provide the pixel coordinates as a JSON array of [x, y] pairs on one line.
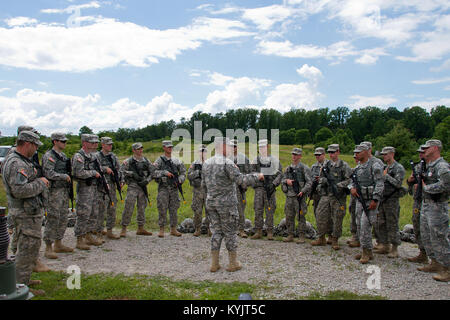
[[284, 270]]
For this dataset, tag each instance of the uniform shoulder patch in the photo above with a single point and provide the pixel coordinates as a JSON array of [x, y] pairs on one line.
[[23, 172], [51, 159]]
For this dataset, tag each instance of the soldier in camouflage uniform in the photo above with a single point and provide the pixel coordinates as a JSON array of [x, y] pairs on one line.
[[417, 208], [166, 170], [271, 172], [434, 216], [299, 172], [137, 172], [110, 164], [243, 164], [84, 173], [389, 214], [220, 175], [199, 192], [55, 169], [354, 241], [370, 177], [24, 192], [333, 199]]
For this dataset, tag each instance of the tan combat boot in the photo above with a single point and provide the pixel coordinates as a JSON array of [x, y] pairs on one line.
[[242, 234], [394, 252], [384, 249], [290, 238], [58, 247], [359, 255], [321, 241], [91, 241], [99, 237], [443, 275], [197, 232], [330, 239], [49, 254], [421, 258], [354, 244], [269, 235], [234, 264], [111, 235], [81, 244], [40, 267], [433, 266], [366, 256], [301, 239], [257, 235], [215, 266], [104, 232], [335, 243], [353, 239], [123, 233], [161, 232], [142, 232], [174, 232]]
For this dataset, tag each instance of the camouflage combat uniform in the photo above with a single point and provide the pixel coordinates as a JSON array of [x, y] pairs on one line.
[[370, 178], [168, 197], [135, 172], [389, 209], [331, 207], [24, 192], [315, 172], [272, 180], [55, 167], [106, 203], [87, 192], [243, 164], [198, 194], [417, 208], [292, 207], [434, 216]]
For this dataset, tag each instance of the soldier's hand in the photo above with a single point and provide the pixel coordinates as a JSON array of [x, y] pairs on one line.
[[109, 171], [289, 182], [122, 184], [10, 231], [169, 175], [261, 177], [373, 205], [68, 179], [385, 172], [354, 192], [97, 175], [300, 195], [45, 181], [411, 179]]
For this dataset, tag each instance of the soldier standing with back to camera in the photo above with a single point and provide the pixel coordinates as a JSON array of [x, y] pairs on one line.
[[199, 192], [434, 216], [296, 172], [55, 169], [168, 170], [417, 207], [24, 193], [388, 217], [270, 174], [137, 172]]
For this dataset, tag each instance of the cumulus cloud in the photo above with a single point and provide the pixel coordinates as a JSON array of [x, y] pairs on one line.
[[20, 21], [432, 103], [374, 101], [431, 81]]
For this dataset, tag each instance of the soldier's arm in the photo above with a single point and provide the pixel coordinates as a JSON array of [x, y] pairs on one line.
[[192, 173], [48, 167], [397, 179], [377, 170], [182, 172], [347, 176], [78, 168], [158, 173], [20, 187], [443, 184], [308, 181], [151, 169], [278, 176], [125, 169]]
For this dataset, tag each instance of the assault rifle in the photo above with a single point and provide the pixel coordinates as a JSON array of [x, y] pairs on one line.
[[360, 196], [98, 168], [314, 186], [296, 187], [133, 167], [175, 179], [69, 173], [115, 175], [418, 176], [332, 182]]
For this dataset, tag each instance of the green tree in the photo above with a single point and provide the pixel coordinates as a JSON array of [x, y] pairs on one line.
[[442, 132], [345, 142], [322, 135], [418, 121], [287, 137], [402, 140], [85, 130], [302, 137]]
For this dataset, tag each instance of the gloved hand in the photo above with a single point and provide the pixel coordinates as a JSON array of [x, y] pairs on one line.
[[136, 176]]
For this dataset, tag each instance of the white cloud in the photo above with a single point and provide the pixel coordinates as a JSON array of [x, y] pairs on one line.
[[266, 17], [20, 22], [432, 103], [374, 101], [4, 89], [310, 73], [107, 43], [444, 66], [431, 81], [72, 8], [447, 88]]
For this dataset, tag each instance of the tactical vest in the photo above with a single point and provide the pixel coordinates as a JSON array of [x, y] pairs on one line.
[[268, 178], [431, 177], [61, 168], [142, 167], [197, 182], [107, 161], [88, 165], [366, 179], [335, 171], [167, 165]]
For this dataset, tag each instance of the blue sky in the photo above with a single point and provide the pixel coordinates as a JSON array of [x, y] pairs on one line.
[[130, 63]]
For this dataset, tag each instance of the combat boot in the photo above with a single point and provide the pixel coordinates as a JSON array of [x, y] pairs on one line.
[[321, 241], [257, 235], [354, 244], [161, 232], [215, 266], [366, 256], [384, 249], [49, 254], [123, 233], [91, 241], [290, 238], [40, 267], [269, 235], [104, 232], [142, 232], [394, 252], [234, 264], [330, 239], [111, 235], [58, 247], [421, 258], [81, 244], [301, 239], [353, 239], [37, 292], [359, 255], [197, 232], [209, 232], [433, 266], [378, 246], [242, 234], [335, 243], [443, 275], [174, 232], [99, 237]]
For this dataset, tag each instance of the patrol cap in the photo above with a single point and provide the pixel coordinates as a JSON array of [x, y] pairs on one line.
[[84, 138], [297, 151], [167, 143], [30, 136], [26, 128], [367, 143], [333, 148], [263, 143], [361, 148], [421, 148], [319, 151], [93, 138], [58, 136], [137, 146], [387, 150], [431, 143], [106, 140]]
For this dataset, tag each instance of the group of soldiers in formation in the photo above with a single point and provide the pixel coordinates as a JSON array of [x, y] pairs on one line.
[[219, 186]]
